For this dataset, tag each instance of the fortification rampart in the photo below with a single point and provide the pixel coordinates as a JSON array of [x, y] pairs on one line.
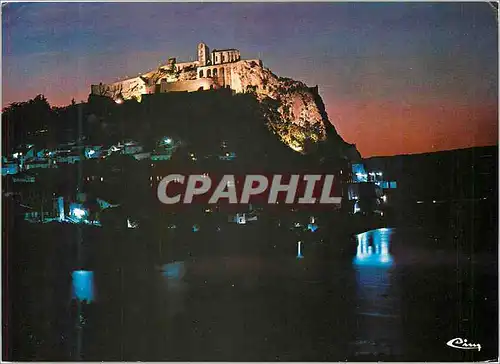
[[212, 70]]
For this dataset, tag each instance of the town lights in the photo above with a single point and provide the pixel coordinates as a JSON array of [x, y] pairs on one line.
[[78, 212], [356, 207], [167, 141], [384, 198], [119, 101]]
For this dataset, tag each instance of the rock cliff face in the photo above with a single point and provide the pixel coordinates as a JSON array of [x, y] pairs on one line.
[[295, 112]]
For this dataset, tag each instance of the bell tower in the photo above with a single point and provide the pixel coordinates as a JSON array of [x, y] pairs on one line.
[[203, 54]]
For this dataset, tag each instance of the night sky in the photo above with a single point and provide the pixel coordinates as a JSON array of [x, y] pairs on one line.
[[395, 77]]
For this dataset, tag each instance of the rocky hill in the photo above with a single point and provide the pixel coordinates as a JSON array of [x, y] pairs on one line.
[[294, 111], [261, 106], [289, 105]]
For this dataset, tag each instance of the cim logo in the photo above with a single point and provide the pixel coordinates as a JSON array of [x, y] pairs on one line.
[[306, 189], [459, 343]]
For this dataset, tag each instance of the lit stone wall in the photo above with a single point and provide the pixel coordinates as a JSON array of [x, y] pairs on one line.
[[220, 73], [130, 88], [225, 56], [203, 54], [189, 85], [133, 87]]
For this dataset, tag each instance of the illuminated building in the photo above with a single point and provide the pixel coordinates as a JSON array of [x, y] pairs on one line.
[[212, 70]]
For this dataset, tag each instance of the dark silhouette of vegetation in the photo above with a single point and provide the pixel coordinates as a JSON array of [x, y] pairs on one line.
[[201, 119], [26, 122]]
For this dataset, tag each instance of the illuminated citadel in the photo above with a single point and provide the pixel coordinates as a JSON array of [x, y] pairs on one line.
[[212, 70], [298, 116]]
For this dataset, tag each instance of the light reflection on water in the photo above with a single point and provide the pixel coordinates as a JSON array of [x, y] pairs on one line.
[[373, 248], [173, 274], [194, 295], [83, 285], [173, 270], [377, 297]]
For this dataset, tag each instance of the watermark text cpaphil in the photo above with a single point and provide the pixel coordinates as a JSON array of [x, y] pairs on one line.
[[251, 188]]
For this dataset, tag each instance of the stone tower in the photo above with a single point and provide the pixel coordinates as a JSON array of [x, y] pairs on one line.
[[203, 54]]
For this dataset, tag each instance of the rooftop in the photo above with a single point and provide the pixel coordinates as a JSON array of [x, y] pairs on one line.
[[223, 50]]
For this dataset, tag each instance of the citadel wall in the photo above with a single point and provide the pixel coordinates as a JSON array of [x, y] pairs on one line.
[[224, 74], [189, 85], [212, 70], [225, 56]]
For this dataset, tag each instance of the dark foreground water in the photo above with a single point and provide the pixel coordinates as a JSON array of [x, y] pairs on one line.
[[400, 294]]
